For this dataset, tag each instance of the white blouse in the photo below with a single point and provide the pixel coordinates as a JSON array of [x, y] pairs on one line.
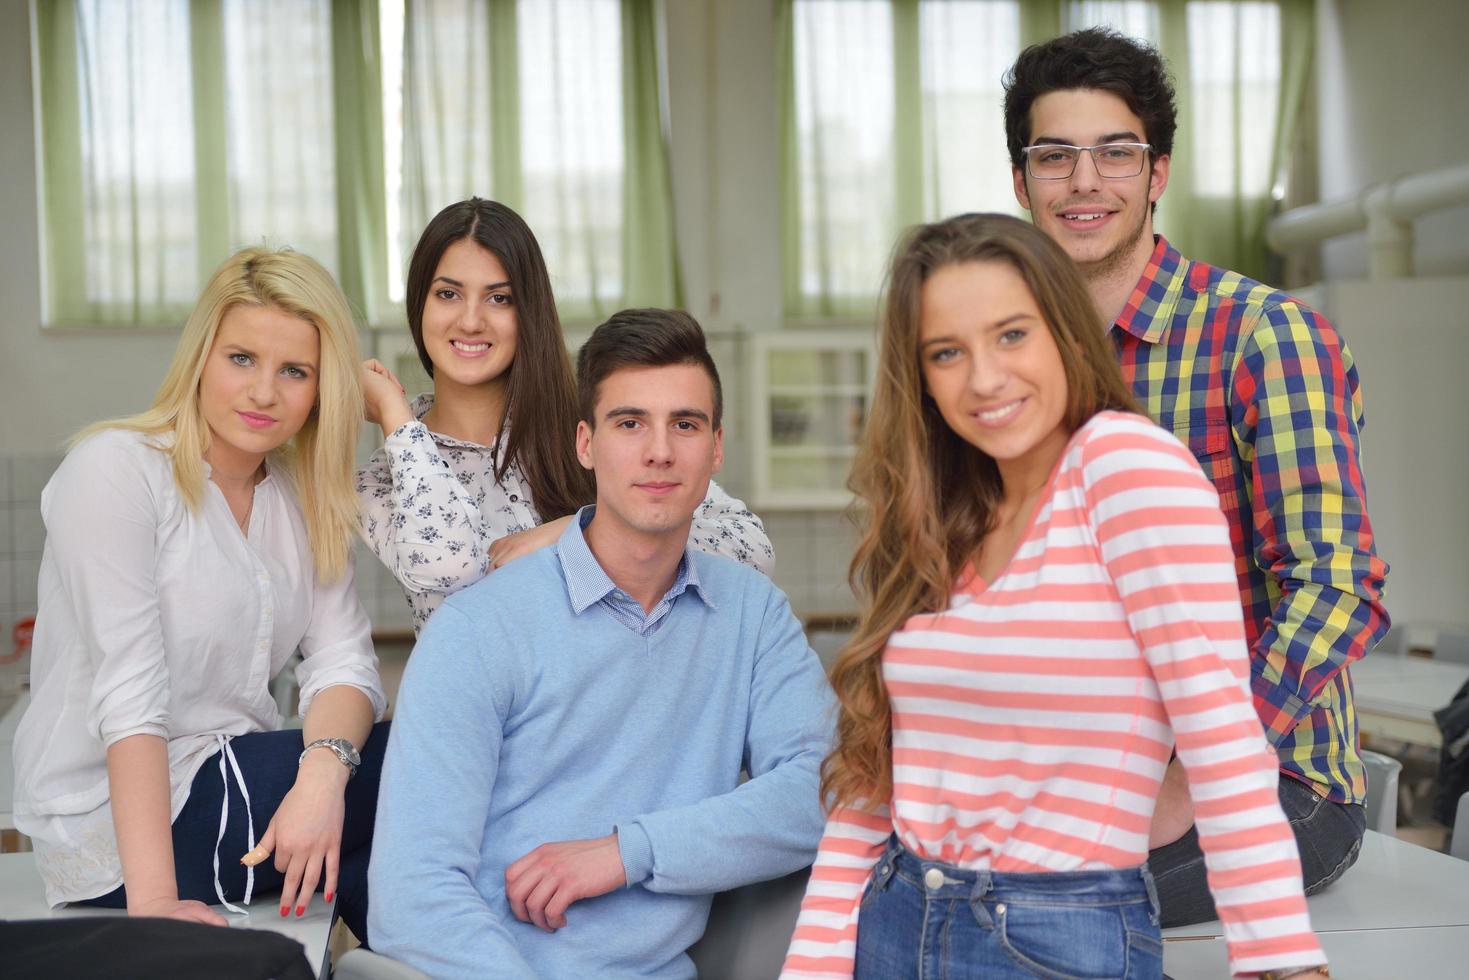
[[161, 620], [431, 508]]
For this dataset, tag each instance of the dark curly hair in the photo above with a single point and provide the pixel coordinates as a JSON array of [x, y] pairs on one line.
[[1096, 58]]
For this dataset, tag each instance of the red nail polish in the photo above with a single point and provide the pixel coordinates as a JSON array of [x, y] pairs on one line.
[[300, 911], [284, 911], [328, 896]]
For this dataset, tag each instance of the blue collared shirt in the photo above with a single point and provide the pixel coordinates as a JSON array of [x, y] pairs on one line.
[[588, 583]]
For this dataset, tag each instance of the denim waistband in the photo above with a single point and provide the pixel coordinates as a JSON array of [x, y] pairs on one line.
[[1103, 887]]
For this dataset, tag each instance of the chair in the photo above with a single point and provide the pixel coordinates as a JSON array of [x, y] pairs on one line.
[[1452, 647], [1393, 642], [749, 929], [1460, 846], [1382, 792]]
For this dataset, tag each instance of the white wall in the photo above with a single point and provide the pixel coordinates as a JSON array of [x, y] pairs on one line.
[[1411, 362], [1392, 94]]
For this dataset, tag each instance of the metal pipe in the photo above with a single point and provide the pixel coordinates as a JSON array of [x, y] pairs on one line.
[[1386, 210]]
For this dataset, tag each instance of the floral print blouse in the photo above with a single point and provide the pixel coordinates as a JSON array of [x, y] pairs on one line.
[[431, 507]]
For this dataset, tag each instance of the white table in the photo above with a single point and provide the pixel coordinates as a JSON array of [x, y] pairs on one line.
[[22, 897], [1397, 695], [1400, 910]]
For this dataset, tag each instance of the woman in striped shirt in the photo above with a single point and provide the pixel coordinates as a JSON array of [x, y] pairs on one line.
[[1049, 608]]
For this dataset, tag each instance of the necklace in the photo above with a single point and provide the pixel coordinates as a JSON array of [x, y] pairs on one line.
[[249, 508]]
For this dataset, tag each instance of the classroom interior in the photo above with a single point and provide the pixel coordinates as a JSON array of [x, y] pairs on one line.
[[1382, 109]]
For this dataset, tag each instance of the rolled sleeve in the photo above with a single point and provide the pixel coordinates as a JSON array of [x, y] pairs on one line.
[[1296, 411], [105, 491]]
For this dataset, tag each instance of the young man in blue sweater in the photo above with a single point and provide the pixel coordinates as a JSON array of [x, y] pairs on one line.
[[562, 795]]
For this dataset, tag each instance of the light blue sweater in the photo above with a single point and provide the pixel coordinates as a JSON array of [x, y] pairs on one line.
[[522, 721]]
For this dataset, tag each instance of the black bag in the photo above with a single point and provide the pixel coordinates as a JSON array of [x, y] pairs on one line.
[[1453, 759], [134, 949]]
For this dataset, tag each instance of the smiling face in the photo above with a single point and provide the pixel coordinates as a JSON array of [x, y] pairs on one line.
[[1104, 223], [991, 365], [258, 385], [469, 322], [653, 449]]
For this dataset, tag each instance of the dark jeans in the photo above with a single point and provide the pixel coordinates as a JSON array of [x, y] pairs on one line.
[[923, 918], [1328, 835], [268, 762]]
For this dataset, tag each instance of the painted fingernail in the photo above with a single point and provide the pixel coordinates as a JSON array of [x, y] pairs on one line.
[[300, 911], [328, 896], [285, 910]]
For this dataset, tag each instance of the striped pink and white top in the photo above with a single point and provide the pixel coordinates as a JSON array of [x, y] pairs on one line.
[[1033, 719]]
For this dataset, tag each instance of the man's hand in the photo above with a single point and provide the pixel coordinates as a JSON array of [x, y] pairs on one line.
[[1174, 814], [544, 883], [513, 546]]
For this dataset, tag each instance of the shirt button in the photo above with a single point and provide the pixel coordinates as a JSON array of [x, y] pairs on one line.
[[934, 879]]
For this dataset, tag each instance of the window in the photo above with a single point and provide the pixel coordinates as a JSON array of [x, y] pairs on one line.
[[174, 131], [897, 109]]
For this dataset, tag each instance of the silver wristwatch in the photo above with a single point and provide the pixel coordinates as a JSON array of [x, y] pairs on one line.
[[344, 749]]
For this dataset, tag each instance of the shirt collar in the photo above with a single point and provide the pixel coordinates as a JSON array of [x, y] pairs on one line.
[[1154, 299], [588, 583]]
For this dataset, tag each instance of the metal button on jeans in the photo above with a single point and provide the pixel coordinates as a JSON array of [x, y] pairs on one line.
[[934, 879], [1000, 908]]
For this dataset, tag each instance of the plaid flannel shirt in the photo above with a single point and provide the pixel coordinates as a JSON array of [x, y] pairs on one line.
[[1264, 393]]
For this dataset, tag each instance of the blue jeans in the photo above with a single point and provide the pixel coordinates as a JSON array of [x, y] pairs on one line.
[[933, 921], [268, 762], [1328, 837]]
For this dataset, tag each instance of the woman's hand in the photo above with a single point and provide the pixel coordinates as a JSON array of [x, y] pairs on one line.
[[383, 398], [173, 908], [513, 546], [306, 831]]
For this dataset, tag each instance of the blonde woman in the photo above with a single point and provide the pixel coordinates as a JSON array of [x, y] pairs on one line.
[[190, 550], [1049, 607]]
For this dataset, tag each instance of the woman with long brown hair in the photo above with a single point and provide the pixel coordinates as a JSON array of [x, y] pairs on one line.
[[484, 470], [1048, 604]]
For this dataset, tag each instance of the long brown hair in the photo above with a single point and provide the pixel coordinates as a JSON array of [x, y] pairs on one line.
[[540, 390], [925, 497]]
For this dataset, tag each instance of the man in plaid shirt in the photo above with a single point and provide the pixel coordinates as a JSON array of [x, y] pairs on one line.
[[1262, 389]]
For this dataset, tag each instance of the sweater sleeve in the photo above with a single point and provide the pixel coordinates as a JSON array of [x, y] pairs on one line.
[[1165, 545], [417, 517], [824, 946], [437, 786], [769, 825], [724, 526]]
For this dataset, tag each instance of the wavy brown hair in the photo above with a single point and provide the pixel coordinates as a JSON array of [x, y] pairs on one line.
[[540, 390], [925, 497]]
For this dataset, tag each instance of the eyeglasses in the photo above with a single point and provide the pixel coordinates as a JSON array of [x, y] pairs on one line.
[[1057, 161]]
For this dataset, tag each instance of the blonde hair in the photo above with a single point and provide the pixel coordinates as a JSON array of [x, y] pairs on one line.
[[320, 458], [925, 497]]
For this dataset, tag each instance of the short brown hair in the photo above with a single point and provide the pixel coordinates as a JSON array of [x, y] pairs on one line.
[[642, 338]]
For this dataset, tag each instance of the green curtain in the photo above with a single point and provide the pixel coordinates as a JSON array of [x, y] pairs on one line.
[[650, 266], [135, 218], [1226, 229], [362, 221]]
